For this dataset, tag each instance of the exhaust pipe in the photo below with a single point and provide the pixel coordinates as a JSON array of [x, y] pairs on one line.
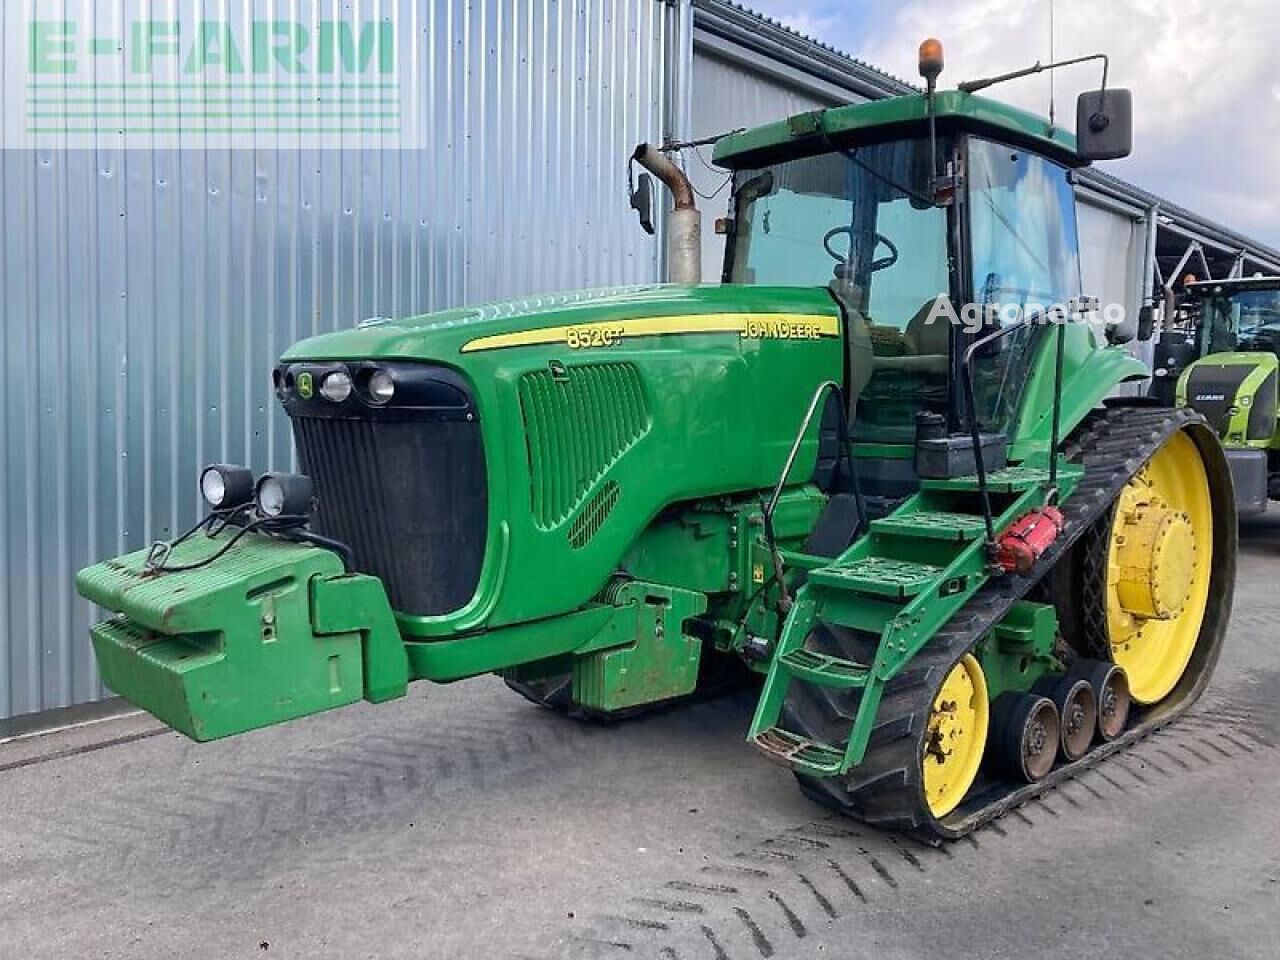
[[684, 223]]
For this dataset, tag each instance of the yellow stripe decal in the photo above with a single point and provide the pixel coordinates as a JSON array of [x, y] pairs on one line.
[[748, 326]]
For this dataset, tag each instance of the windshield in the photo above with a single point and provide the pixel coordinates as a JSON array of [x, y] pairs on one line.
[[1248, 320], [859, 221], [1022, 221]]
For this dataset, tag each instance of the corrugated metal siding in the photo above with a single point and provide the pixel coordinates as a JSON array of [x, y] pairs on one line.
[[730, 95], [146, 293]]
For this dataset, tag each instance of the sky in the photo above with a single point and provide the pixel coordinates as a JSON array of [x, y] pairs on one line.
[[1206, 91]]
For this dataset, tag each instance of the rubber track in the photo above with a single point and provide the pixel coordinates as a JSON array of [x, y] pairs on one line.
[[885, 789]]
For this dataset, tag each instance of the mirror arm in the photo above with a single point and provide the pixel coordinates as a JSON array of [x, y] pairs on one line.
[[972, 86]]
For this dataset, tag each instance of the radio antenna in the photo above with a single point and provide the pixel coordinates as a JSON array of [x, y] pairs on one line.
[[1051, 79]]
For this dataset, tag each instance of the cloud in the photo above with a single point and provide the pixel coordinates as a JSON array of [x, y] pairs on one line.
[[1206, 124]]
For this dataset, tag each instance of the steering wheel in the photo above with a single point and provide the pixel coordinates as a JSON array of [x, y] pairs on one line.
[[880, 238]]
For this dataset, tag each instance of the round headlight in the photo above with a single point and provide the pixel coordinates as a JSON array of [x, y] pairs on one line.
[[336, 386], [284, 495], [224, 486], [381, 387]]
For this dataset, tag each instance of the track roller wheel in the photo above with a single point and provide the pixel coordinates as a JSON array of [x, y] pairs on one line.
[[1025, 735], [1077, 711], [1110, 694], [956, 736]]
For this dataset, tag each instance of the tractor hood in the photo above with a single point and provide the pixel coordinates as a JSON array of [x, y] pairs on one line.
[[560, 319], [558, 412]]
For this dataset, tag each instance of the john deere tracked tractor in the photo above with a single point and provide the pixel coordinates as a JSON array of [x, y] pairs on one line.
[[1234, 381], [865, 470]]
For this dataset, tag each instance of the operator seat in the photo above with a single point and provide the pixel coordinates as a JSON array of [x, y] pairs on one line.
[[928, 345]]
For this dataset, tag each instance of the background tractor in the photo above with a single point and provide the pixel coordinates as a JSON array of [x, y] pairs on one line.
[[1233, 381], [871, 472]]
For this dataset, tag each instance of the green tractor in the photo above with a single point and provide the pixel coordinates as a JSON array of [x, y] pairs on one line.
[[864, 476], [1233, 384]]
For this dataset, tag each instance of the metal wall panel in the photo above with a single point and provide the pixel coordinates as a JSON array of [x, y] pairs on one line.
[[145, 294], [1112, 264], [729, 95]]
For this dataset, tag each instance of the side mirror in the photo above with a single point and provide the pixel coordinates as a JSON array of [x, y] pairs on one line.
[[642, 202], [1104, 124], [1146, 322]]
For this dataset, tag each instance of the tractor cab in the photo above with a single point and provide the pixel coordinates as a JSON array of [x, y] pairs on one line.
[[1238, 315], [940, 224]]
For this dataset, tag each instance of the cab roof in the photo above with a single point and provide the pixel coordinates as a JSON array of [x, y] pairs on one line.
[[807, 133]]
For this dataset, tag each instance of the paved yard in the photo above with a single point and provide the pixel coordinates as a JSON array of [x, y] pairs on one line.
[[465, 823]]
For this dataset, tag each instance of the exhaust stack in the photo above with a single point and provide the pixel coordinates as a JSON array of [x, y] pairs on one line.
[[684, 222]]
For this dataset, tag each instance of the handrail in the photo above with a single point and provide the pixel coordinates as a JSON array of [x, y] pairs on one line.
[[975, 432], [767, 509], [795, 446]]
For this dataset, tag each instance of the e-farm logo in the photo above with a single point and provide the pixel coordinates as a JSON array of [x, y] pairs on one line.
[[198, 74]]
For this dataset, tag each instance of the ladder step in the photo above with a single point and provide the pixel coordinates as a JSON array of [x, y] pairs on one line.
[[825, 671], [798, 753], [1005, 480], [933, 525], [879, 577]]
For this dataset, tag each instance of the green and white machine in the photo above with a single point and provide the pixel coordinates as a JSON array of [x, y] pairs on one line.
[[954, 575], [1233, 384]]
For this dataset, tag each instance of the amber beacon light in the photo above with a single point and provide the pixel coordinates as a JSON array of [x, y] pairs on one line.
[[931, 59]]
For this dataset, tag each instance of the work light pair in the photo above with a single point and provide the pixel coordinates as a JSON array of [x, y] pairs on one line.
[[227, 487]]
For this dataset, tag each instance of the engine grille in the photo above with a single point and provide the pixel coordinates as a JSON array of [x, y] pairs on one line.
[[408, 496], [577, 424]]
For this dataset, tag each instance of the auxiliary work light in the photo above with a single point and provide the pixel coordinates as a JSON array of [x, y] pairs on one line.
[[225, 486], [284, 495]]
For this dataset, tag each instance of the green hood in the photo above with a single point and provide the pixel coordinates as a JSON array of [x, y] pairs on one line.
[[445, 335]]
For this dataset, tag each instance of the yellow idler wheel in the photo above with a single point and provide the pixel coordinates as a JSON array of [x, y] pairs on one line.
[[1158, 569], [956, 736]]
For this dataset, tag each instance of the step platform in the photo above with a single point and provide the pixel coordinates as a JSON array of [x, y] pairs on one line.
[[879, 577]]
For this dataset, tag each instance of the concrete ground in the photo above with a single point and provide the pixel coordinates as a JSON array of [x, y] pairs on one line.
[[465, 823]]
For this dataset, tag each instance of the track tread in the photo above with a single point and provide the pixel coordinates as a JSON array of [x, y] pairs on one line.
[[886, 789]]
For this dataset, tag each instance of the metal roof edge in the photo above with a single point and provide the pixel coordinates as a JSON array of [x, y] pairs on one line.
[[757, 32], [1226, 237]]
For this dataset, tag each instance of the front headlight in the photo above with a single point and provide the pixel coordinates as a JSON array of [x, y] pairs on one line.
[[336, 386], [225, 486], [382, 387], [284, 495]]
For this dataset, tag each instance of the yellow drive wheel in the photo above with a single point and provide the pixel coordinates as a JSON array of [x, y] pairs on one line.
[[956, 736], [1159, 560]]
